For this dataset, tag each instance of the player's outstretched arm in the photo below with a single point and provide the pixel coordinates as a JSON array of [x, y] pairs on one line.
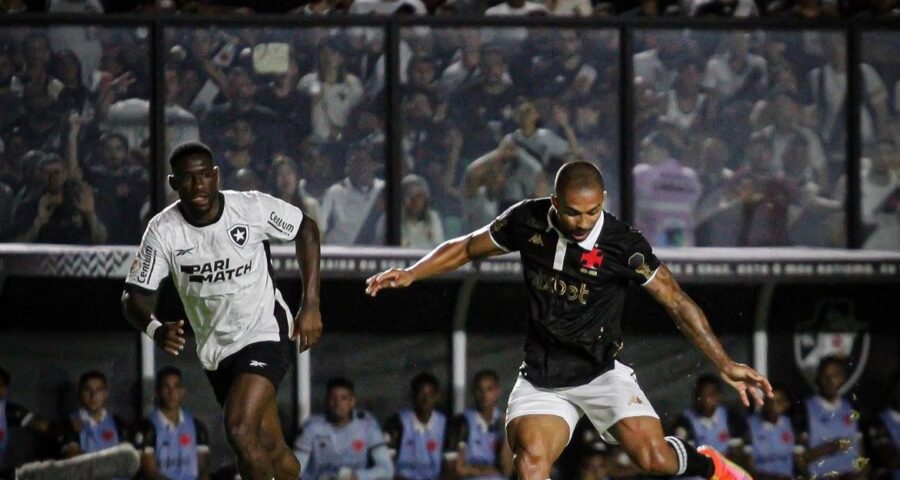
[[138, 310], [691, 320], [446, 257], [308, 322]]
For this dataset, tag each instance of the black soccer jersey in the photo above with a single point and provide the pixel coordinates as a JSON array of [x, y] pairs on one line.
[[576, 290]]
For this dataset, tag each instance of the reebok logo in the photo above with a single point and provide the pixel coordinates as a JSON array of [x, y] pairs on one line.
[[254, 363], [179, 252], [536, 239], [635, 400]]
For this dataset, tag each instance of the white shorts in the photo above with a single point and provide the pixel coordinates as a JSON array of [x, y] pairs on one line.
[[607, 399]]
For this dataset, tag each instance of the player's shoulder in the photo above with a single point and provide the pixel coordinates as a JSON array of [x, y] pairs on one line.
[[168, 218], [365, 417], [532, 210], [616, 228]]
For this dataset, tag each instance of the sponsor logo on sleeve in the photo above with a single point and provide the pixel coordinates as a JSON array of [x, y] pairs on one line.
[[143, 264], [281, 224]]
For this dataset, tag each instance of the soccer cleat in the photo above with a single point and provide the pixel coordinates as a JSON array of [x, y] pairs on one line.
[[725, 469]]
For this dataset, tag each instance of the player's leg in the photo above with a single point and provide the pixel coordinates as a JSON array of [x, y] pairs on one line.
[[643, 440], [283, 460], [536, 441], [248, 398], [539, 424]]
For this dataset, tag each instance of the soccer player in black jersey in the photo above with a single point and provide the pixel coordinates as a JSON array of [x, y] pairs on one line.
[[578, 261]]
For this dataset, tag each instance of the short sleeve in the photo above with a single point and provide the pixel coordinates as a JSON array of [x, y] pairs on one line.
[[642, 263], [150, 266], [504, 228], [145, 438], [282, 220]]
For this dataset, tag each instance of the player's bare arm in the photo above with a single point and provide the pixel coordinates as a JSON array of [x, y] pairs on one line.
[[308, 322], [138, 310], [446, 257], [691, 320]]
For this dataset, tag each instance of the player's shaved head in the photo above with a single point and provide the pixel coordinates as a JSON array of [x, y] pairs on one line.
[[576, 176]]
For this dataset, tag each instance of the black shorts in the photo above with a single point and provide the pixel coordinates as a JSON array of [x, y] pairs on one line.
[[269, 359]]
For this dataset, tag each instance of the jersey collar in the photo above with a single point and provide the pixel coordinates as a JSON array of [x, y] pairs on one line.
[[86, 417], [168, 423], [215, 220], [586, 244], [423, 427]]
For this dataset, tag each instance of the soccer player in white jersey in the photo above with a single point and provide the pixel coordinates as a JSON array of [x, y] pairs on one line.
[[216, 247]]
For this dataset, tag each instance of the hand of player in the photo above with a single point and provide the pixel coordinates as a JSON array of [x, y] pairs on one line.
[[170, 337], [393, 278], [308, 326], [743, 379]]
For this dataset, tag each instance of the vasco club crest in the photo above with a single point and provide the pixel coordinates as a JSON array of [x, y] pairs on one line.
[[834, 330]]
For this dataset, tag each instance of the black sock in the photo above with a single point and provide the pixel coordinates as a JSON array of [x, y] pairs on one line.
[[690, 462]]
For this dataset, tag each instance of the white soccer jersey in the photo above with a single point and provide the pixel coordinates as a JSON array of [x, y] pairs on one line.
[[222, 271]]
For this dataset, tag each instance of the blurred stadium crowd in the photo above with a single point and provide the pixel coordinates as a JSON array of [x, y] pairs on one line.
[[820, 436], [739, 135], [801, 9]]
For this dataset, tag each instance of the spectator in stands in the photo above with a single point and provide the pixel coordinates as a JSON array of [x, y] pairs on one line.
[[666, 193], [10, 87], [762, 201], [291, 106], [332, 90], [484, 110], [685, 106], [497, 180], [542, 145], [244, 180], [420, 225], [441, 173], [74, 94], [828, 426], [517, 8], [388, 7], [883, 434], [715, 178], [464, 66], [352, 207], [92, 428], [708, 422], [318, 168], [827, 87], [783, 128], [476, 444], [416, 435], [736, 73], [173, 443], [122, 188], [241, 105], [345, 443], [243, 149], [13, 416], [285, 183], [63, 212], [39, 126], [770, 442]]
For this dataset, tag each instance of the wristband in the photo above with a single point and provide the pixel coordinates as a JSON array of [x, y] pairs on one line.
[[151, 328]]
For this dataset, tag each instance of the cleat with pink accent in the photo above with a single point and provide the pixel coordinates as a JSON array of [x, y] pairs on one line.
[[725, 468]]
